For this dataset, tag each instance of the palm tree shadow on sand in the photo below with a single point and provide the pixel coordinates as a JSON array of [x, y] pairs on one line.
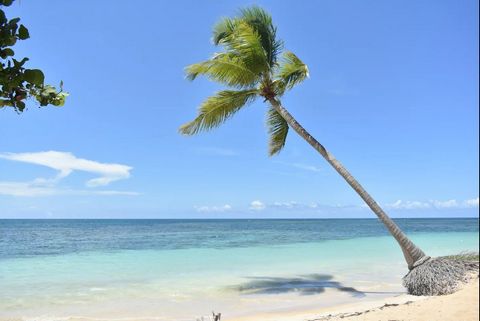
[[303, 285]]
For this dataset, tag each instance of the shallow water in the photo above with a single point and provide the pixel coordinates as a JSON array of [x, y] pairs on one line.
[[180, 270]]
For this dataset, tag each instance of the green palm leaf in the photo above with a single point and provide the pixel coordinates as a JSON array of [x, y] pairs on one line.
[[279, 87], [240, 65], [261, 22], [278, 130], [217, 109], [223, 29], [244, 42], [224, 68], [292, 70]]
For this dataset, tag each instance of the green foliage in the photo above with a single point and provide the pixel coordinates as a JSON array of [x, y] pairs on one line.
[[223, 29], [249, 62], [217, 109], [245, 43], [240, 65], [224, 68], [464, 256], [278, 130], [17, 83], [292, 71], [34, 76], [261, 22]]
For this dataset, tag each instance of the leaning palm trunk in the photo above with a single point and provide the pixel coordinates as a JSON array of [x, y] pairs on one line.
[[413, 254], [426, 276]]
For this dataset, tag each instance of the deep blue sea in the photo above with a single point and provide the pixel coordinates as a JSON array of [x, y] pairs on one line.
[[183, 269]]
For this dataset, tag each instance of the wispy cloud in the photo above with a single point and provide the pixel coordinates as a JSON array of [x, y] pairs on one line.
[[474, 202], [398, 205], [433, 204], [65, 164], [258, 205], [307, 167], [213, 209], [302, 166], [293, 205], [25, 189]]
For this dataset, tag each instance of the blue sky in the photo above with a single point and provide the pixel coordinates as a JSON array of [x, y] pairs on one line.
[[393, 94]]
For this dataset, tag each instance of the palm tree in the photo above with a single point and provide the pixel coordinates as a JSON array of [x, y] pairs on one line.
[[254, 65]]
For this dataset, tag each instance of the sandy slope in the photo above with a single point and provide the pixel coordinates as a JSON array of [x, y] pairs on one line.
[[459, 306]]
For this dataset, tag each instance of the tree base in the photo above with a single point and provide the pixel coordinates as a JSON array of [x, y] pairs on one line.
[[439, 276]]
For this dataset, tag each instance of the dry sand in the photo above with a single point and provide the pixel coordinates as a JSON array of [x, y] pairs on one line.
[[460, 306]]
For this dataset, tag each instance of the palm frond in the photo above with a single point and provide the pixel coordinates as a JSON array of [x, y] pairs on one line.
[[224, 68], [292, 70], [278, 130], [217, 109], [223, 29], [240, 65], [245, 43], [261, 21], [279, 87]]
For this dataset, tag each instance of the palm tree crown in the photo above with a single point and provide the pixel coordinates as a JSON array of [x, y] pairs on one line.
[[249, 64]]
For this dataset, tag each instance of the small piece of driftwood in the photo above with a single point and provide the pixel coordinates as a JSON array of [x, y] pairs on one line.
[[216, 316]]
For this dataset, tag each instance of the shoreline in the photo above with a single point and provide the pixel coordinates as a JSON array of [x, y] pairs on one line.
[[113, 277], [462, 305]]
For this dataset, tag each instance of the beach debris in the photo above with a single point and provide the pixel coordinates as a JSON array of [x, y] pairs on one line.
[[347, 315], [332, 317], [340, 316], [387, 305], [214, 317]]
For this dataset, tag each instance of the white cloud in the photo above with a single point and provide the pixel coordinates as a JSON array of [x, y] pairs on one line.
[[257, 205], [311, 208], [287, 205], [25, 189], [398, 205], [471, 203], [293, 205], [445, 204], [409, 205], [65, 164], [433, 204], [210, 209], [305, 167], [308, 206]]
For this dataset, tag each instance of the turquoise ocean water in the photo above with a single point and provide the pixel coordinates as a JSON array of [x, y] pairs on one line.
[[183, 269]]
